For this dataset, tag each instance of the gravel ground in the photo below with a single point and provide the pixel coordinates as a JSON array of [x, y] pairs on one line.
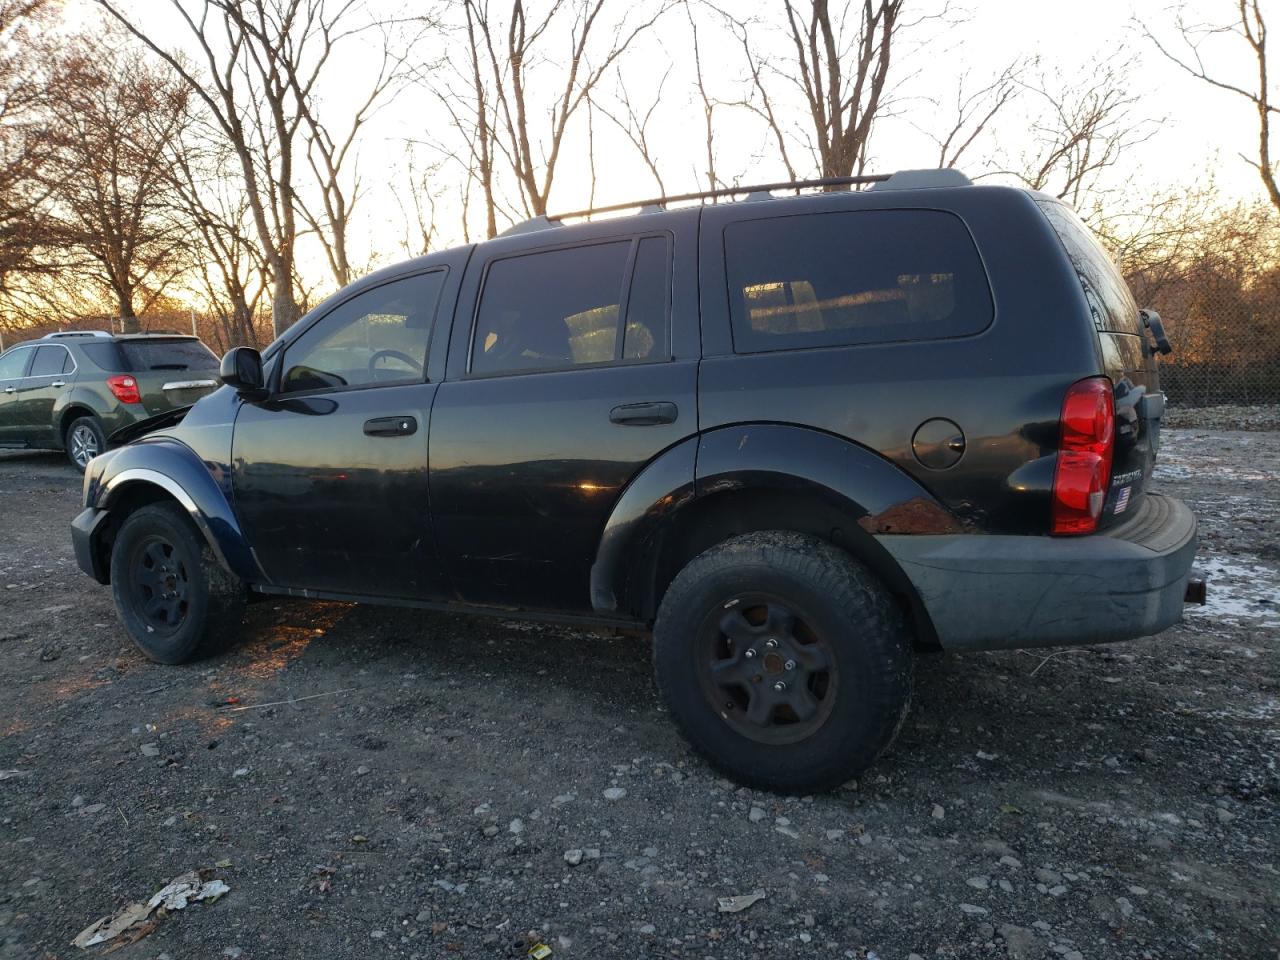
[[1265, 417], [460, 787]]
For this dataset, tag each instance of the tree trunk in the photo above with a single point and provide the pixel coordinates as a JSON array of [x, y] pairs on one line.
[[128, 316], [284, 311]]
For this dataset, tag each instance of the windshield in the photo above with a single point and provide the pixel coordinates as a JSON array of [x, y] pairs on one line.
[[142, 355]]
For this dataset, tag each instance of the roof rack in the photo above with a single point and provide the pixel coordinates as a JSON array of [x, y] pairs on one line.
[[759, 188], [901, 180], [68, 334]]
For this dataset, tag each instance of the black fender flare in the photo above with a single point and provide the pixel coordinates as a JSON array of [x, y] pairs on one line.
[[876, 496], [201, 489]]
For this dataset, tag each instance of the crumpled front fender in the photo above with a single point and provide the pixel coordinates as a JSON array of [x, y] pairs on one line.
[[198, 487]]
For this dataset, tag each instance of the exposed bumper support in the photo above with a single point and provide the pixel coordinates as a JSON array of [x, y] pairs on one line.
[[84, 536], [1005, 592]]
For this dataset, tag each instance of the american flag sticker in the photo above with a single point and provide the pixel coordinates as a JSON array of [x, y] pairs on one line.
[[1122, 499]]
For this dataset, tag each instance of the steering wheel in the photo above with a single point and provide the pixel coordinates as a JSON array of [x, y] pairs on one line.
[[396, 355]]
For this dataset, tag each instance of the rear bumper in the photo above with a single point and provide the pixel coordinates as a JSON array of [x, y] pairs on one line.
[[84, 536], [1006, 592]]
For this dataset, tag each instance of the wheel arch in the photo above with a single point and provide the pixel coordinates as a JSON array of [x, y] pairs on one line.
[[164, 469], [73, 412], [753, 477]]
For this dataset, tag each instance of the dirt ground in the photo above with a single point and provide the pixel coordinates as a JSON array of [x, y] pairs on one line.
[[443, 791]]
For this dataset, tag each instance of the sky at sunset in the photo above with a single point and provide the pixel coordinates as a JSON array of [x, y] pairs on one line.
[[1193, 129]]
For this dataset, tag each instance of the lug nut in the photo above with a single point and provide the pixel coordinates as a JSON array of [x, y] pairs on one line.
[[779, 686], [749, 653], [771, 643], [790, 665]]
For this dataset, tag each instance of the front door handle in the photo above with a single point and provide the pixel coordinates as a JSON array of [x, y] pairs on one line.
[[10, 389], [390, 427], [644, 414]]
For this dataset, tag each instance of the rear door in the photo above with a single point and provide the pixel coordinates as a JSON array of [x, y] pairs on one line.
[[330, 471], [571, 367], [51, 369], [1128, 360]]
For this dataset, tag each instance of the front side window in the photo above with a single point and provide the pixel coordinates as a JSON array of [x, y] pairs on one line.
[[838, 279], [377, 337], [13, 363], [50, 361], [558, 309]]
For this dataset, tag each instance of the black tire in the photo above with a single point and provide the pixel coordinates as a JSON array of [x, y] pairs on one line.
[[173, 597], [846, 650], [84, 440]]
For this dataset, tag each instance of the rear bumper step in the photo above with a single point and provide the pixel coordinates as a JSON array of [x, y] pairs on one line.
[[986, 592]]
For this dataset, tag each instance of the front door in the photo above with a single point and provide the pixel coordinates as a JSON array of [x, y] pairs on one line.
[[562, 388], [330, 471]]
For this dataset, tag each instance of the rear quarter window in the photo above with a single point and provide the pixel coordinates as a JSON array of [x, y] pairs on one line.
[[143, 355], [1110, 303], [104, 356], [856, 277]]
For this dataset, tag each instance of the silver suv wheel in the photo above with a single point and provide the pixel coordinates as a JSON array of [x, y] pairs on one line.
[[84, 444]]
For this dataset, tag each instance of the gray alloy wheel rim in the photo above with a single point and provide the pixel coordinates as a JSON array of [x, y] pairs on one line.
[[748, 667], [84, 445]]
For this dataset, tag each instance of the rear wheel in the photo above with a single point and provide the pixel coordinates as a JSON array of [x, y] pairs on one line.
[[172, 595], [784, 662], [85, 440]]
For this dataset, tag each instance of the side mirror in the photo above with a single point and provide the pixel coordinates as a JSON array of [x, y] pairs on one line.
[[241, 370]]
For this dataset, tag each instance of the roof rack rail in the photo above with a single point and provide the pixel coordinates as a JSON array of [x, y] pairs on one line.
[[67, 334], [661, 202]]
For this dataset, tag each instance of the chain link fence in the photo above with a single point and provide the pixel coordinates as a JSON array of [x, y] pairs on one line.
[[1225, 333]]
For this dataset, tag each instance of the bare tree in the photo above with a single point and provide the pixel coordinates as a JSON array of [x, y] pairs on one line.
[[1249, 27], [1083, 128], [841, 56], [844, 96], [972, 111], [112, 116], [23, 137], [228, 265], [633, 120], [261, 62], [332, 151], [508, 58]]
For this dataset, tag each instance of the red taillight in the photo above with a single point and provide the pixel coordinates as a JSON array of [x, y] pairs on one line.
[[1084, 456], [125, 388]]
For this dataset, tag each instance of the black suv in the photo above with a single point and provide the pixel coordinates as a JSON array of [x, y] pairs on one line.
[[71, 391], [797, 438]]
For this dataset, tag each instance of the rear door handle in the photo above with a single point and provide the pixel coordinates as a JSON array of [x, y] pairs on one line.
[[391, 427], [10, 389], [58, 383], [644, 414]]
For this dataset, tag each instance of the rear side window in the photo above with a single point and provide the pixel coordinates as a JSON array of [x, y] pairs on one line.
[[104, 356], [839, 279], [49, 361], [1110, 302], [143, 355], [558, 309]]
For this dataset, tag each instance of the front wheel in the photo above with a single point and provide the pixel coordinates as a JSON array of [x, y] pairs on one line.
[[783, 661], [172, 595]]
